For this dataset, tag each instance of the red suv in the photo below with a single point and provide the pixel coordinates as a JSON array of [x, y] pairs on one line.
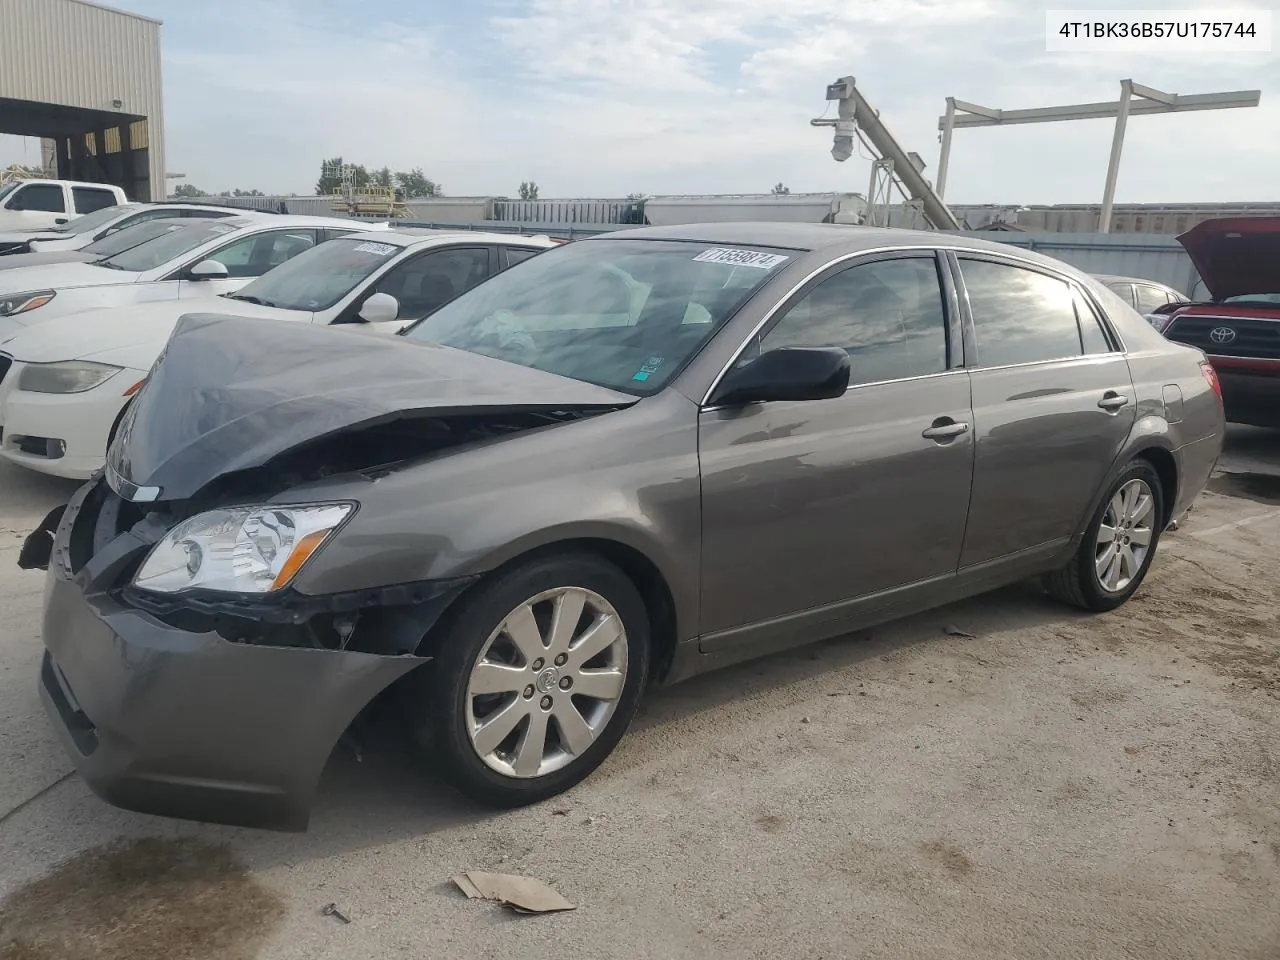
[[1239, 329]]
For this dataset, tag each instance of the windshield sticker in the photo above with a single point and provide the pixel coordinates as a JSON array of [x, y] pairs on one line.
[[649, 369], [378, 249], [741, 258]]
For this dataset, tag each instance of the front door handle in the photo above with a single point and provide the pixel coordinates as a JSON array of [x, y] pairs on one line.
[[945, 429], [1112, 401]]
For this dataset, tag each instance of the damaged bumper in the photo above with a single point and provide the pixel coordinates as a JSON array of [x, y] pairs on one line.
[[173, 718]]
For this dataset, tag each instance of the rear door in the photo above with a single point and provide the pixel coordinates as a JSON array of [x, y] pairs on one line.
[[1052, 404], [808, 506], [427, 281]]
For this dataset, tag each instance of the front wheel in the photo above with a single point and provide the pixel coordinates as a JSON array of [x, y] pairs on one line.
[[537, 675], [1118, 545]]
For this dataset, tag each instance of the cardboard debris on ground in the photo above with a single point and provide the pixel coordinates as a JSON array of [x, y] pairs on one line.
[[522, 894], [953, 631]]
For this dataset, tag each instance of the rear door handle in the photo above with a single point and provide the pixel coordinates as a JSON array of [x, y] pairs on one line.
[[1112, 401], [945, 430]]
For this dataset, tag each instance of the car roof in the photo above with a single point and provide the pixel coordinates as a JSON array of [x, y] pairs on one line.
[[829, 238], [408, 236]]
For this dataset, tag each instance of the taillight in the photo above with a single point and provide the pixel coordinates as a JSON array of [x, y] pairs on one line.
[[1211, 375]]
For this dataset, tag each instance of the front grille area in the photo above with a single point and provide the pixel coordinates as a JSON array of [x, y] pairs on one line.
[[1253, 337]]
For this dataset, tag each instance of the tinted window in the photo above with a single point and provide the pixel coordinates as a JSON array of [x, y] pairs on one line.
[[1149, 297], [44, 197], [1091, 332], [253, 256], [89, 199], [888, 315], [517, 255], [431, 280], [625, 314], [1019, 315]]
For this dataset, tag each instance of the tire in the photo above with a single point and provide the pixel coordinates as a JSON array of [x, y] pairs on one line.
[[1080, 583], [446, 715]]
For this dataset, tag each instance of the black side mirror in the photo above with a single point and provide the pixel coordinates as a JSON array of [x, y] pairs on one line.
[[787, 373]]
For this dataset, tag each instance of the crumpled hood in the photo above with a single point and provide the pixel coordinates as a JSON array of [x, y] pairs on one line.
[[112, 334], [61, 276], [230, 393], [39, 259], [1236, 256]]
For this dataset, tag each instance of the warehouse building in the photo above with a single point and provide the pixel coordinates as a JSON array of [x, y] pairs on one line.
[[85, 78]]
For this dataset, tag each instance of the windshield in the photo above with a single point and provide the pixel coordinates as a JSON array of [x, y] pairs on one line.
[[319, 277], [130, 237], [623, 314], [169, 245], [1254, 298], [6, 190], [92, 221]]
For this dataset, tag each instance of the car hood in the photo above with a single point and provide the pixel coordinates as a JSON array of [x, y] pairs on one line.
[[22, 236], [61, 276], [231, 393], [1236, 256], [44, 257], [90, 334]]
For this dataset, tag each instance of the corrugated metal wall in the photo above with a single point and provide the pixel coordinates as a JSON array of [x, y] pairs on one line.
[[78, 54]]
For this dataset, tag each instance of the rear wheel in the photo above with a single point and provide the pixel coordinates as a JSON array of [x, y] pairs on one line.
[[537, 675], [1118, 545]]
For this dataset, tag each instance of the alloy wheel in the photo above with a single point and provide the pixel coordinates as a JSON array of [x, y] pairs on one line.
[[546, 683], [1124, 535]]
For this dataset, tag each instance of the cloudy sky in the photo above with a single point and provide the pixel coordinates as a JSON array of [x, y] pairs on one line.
[[608, 97]]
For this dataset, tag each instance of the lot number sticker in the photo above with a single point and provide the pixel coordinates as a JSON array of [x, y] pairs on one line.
[[740, 258], [378, 249]]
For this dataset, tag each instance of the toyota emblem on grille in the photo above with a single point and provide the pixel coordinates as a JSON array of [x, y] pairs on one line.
[[1222, 334]]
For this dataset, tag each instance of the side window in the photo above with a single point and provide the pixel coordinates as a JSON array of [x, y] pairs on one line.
[[887, 314], [199, 214], [1148, 297], [1019, 315], [253, 256], [433, 279], [89, 199], [44, 197], [1122, 290], [518, 255], [1091, 332]]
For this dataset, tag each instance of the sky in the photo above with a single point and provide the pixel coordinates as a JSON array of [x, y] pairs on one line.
[[602, 98]]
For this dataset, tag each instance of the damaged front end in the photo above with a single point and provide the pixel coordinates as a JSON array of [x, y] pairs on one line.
[[202, 684]]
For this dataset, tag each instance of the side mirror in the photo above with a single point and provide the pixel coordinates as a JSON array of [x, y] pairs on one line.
[[787, 373], [380, 308], [208, 270]]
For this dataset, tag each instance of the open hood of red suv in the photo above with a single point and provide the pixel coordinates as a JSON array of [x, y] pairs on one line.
[[1237, 255]]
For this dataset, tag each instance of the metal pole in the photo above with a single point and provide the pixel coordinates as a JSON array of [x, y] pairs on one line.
[[873, 215], [944, 155], [1113, 167]]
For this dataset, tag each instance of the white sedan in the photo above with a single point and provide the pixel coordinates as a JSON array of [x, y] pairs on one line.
[[64, 384], [83, 231], [197, 261]]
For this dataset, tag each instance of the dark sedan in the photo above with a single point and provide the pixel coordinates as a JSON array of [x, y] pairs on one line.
[[631, 458]]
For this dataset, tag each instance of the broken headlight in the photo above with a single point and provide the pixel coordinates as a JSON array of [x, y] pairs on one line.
[[240, 550]]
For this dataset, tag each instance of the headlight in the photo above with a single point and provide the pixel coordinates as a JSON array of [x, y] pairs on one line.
[[71, 376], [16, 303], [240, 550]]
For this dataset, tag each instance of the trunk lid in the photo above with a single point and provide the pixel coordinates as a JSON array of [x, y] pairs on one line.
[[231, 393]]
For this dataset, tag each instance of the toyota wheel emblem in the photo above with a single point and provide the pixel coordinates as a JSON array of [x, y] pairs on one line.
[[1222, 334]]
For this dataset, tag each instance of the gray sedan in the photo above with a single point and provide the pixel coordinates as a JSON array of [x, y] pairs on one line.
[[628, 459]]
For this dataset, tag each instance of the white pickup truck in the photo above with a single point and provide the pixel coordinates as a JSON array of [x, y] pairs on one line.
[[38, 204]]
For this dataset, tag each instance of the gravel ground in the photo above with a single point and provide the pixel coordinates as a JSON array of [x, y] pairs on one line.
[[1053, 785]]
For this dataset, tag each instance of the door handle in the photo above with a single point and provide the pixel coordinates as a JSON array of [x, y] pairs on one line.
[[1112, 401], [945, 430]]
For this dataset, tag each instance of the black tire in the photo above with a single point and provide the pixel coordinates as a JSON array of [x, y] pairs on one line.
[[435, 697], [1078, 583]]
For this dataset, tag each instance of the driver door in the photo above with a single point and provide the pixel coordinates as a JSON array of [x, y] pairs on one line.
[[816, 511]]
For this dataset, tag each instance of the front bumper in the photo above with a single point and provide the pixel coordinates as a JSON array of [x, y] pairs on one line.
[[185, 723], [63, 434], [1250, 389]]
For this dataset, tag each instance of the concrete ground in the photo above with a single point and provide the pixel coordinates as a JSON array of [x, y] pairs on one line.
[[1053, 785]]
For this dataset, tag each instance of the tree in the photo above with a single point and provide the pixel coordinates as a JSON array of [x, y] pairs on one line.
[[415, 184], [382, 178], [528, 190], [780, 188], [188, 190], [330, 181], [237, 192]]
